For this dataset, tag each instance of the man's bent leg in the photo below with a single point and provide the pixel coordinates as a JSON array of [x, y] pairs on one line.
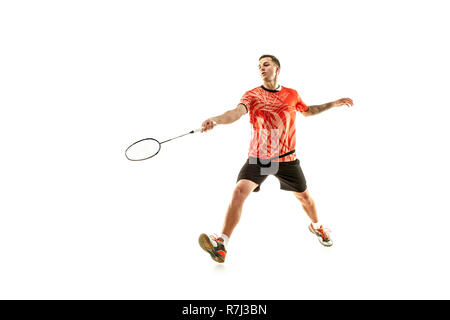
[[308, 204], [310, 208], [242, 190]]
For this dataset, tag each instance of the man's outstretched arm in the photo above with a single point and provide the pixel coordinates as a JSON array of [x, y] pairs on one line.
[[313, 110], [228, 117]]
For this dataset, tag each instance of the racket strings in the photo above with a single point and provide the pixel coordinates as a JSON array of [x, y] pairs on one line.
[[143, 149], [147, 148]]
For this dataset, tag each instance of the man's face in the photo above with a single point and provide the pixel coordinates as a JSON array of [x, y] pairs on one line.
[[268, 69]]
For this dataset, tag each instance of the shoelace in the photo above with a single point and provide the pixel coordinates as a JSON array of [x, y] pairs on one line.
[[324, 232], [216, 238]]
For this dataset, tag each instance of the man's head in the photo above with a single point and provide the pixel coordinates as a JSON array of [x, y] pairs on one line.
[[269, 67]]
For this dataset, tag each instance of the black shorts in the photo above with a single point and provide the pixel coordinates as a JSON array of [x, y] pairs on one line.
[[289, 174]]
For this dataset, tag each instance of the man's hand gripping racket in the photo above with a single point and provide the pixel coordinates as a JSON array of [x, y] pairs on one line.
[[208, 124]]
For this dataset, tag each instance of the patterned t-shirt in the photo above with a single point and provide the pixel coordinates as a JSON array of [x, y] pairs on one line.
[[272, 116]]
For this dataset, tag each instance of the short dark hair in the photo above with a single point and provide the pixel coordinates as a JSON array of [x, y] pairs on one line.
[[274, 59]]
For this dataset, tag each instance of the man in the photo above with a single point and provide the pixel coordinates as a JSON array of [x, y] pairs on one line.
[[272, 109]]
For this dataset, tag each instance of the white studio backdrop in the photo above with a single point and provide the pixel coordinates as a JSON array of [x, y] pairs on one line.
[[80, 80]]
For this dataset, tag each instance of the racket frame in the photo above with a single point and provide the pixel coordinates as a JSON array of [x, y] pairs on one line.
[[159, 148]]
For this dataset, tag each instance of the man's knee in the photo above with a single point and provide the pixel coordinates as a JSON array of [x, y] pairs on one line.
[[239, 195], [304, 197], [242, 191]]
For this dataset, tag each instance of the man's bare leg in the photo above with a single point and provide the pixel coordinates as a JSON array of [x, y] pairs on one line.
[[216, 246], [308, 205], [241, 192], [310, 208]]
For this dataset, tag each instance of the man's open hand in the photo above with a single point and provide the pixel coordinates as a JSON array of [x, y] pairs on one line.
[[344, 101]]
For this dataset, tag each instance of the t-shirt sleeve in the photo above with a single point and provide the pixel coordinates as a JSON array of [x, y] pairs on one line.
[[246, 100], [301, 106]]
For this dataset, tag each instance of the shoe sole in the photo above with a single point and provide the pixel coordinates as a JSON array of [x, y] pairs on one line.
[[319, 237], [206, 245]]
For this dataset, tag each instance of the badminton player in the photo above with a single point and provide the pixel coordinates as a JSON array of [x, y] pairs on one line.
[[272, 110]]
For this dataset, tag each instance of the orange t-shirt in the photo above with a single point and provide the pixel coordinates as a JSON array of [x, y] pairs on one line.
[[272, 116]]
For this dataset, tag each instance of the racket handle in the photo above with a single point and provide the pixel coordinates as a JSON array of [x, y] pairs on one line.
[[200, 129]]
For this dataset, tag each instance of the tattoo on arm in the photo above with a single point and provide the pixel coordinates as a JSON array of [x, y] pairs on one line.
[[320, 108]]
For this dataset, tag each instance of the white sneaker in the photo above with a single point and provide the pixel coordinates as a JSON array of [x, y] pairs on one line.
[[322, 234], [214, 245]]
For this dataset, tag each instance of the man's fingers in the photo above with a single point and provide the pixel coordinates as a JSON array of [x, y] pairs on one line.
[[206, 128], [347, 101], [207, 125]]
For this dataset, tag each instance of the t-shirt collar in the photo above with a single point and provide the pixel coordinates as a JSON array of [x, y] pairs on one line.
[[276, 90]]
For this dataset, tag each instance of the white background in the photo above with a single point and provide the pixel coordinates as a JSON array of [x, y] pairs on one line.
[[80, 80]]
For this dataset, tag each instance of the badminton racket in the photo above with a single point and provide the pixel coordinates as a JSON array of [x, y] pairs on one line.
[[149, 147]]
